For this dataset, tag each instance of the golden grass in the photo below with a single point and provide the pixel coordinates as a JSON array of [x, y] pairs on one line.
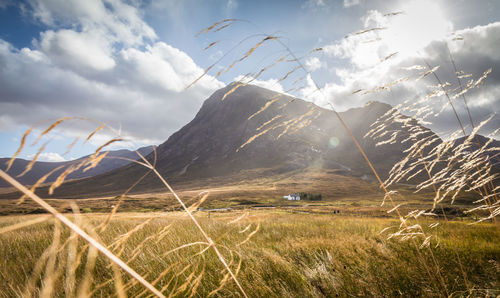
[[297, 255], [96, 245]]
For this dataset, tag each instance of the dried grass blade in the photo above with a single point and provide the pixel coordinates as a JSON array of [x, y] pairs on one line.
[[80, 232], [366, 31], [21, 146], [99, 128], [50, 274], [51, 127], [107, 144], [211, 27], [23, 224], [32, 162], [211, 45], [238, 85], [70, 146]]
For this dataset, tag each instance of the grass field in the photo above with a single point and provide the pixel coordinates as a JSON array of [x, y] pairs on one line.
[[275, 254], [345, 193]]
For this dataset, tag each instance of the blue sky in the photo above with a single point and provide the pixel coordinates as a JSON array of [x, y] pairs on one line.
[[126, 63]]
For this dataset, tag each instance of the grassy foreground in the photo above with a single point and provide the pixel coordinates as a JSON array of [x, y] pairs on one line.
[[275, 254]]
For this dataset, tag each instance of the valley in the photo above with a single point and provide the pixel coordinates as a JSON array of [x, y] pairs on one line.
[[349, 195]]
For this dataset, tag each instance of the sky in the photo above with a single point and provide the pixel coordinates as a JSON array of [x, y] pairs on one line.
[[128, 63]]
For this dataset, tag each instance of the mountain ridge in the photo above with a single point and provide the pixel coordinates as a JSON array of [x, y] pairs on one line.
[[40, 168], [253, 128]]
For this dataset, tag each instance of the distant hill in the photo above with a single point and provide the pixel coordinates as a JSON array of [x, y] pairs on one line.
[[492, 147], [286, 135], [41, 168]]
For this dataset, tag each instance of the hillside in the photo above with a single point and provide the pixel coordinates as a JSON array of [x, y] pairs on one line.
[[113, 160], [228, 136], [491, 148]]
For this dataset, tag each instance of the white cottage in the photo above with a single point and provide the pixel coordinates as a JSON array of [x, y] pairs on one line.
[[292, 197]]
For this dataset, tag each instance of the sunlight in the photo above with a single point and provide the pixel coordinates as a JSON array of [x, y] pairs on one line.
[[421, 23], [407, 30]]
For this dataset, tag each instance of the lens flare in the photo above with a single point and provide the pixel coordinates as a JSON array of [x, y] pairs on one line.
[[333, 142]]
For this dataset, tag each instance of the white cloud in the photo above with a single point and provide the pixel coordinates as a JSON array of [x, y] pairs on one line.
[[231, 5], [313, 4], [313, 64], [349, 3], [75, 50], [164, 66], [6, 3], [271, 84], [405, 34], [48, 156], [105, 67], [480, 41], [475, 51], [121, 21], [475, 54]]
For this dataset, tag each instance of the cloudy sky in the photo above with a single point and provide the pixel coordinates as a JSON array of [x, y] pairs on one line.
[[127, 63]]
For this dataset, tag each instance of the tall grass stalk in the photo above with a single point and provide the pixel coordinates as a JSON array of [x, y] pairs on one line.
[[80, 233]]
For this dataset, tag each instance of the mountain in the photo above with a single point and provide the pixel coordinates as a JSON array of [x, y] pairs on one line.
[[41, 168], [303, 135], [248, 127], [490, 146], [479, 140]]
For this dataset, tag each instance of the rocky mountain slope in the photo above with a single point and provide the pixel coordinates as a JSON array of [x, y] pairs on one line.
[[249, 127]]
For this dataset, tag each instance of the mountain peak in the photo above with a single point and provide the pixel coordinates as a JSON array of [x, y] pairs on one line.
[[243, 126], [378, 104], [253, 128], [236, 89]]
